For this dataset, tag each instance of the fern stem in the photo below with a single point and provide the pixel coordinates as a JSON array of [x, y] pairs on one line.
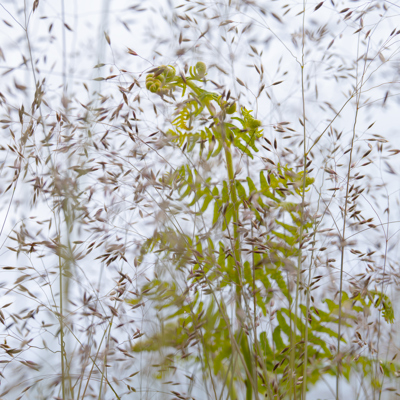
[[244, 349]]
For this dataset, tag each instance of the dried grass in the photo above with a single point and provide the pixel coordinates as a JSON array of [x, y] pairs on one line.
[[139, 262]]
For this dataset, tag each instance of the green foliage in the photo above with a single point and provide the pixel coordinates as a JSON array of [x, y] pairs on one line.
[[379, 300], [210, 304]]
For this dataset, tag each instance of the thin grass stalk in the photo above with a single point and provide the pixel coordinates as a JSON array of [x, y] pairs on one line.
[[382, 291], [221, 308], [232, 366], [342, 239], [64, 48], [61, 319], [86, 363], [299, 258], [255, 312], [104, 370], [305, 360], [94, 363]]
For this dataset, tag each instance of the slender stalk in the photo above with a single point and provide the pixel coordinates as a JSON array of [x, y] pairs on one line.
[[299, 258], [343, 240], [342, 264], [61, 283], [255, 313], [382, 291]]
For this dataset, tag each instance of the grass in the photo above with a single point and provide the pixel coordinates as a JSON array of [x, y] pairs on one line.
[[212, 216]]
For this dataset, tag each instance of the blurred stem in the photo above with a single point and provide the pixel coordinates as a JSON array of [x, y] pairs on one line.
[[244, 344], [299, 257], [62, 328], [305, 360], [343, 240], [342, 263], [104, 370]]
